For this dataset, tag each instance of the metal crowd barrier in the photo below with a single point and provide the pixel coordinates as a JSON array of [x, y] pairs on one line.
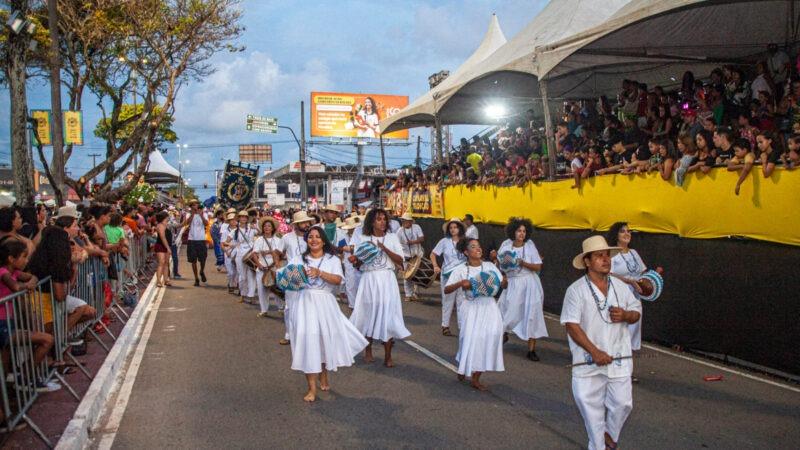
[[21, 373]]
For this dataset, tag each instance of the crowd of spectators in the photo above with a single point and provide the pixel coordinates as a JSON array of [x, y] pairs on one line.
[[736, 117]]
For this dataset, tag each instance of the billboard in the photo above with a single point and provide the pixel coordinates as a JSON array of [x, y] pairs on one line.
[[354, 115], [255, 153]]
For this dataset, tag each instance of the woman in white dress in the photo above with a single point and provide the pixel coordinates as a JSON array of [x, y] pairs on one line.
[[452, 258], [368, 122], [244, 236], [521, 304], [268, 248], [480, 339], [378, 311], [322, 339], [627, 266], [227, 249], [351, 275]]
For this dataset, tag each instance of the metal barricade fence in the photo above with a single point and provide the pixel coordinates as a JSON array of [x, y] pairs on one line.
[[24, 340]]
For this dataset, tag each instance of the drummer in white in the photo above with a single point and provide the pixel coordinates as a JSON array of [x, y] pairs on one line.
[[411, 238], [294, 245], [268, 248], [452, 258], [596, 312]]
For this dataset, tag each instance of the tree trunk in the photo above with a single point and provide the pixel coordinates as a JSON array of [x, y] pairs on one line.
[[21, 159], [55, 101]]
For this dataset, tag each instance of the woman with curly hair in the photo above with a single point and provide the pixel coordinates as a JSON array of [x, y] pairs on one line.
[[378, 310], [521, 303]]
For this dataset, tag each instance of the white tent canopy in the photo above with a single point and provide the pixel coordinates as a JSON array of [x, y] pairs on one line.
[[509, 76], [421, 112], [655, 41], [159, 170]]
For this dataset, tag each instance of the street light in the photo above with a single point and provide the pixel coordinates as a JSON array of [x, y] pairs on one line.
[[496, 111]]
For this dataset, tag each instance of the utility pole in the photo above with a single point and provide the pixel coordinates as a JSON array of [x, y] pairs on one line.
[[383, 158], [303, 188], [21, 159], [57, 166], [418, 161]]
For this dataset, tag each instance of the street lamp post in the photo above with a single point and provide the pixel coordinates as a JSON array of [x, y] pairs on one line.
[[180, 169]]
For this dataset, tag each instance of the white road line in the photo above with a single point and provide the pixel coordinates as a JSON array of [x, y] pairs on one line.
[[431, 355], [115, 418], [704, 363]]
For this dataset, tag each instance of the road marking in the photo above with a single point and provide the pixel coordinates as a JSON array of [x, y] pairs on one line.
[[115, 417], [431, 355], [704, 363]]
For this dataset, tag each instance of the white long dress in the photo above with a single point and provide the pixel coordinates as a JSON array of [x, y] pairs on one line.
[[321, 333], [521, 302], [245, 238], [630, 265], [352, 276], [480, 339], [378, 311]]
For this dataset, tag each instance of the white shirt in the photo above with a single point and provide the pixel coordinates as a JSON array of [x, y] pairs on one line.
[[223, 232], [197, 231], [446, 248], [294, 245], [528, 253], [410, 234], [328, 263], [581, 308], [244, 238], [264, 247], [394, 226], [382, 261], [465, 272], [471, 232]]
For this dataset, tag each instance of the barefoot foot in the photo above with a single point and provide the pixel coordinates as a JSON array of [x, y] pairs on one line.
[[388, 363], [461, 377], [310, 397], [479, 386]]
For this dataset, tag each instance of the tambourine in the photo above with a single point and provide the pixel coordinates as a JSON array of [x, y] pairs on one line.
[[485, 284], [651, 284], [508, 261], [292, 278], [366, 252]]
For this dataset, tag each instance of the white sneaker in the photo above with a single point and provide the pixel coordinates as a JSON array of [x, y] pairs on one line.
[[50, 386]]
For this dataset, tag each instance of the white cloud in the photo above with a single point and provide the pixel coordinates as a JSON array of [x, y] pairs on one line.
[[252, 83]]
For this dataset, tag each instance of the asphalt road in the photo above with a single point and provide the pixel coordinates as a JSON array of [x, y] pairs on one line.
[[214, 376]]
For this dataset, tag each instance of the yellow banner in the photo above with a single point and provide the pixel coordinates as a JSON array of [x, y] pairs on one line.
[[42, 118], [73, 127], [704, 207], [426, 202]]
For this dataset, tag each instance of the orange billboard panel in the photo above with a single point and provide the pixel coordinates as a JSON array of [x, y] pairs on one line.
[[344, 115]]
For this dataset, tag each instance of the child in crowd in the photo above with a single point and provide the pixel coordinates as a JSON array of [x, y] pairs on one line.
[[793, 157], [742, 160]]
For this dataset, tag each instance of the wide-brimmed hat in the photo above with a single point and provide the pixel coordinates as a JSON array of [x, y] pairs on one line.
[[447, 224], [230, 216], [300, 217], [275, 224], [407, 216], [349, 224], [68, 211], [232, 210], [331, 208], [593, 244], [243, 213]]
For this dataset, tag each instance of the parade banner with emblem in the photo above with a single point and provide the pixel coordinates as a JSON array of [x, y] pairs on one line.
[[426, 202], [238, 185]]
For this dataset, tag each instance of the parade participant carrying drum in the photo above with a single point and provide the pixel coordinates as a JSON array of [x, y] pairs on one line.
[[597, 311], [267, 251], [244, 236], [411, 238], [294, 245], [378, 312], [447, 247], [480, 336], [345, 246], [521, 304]]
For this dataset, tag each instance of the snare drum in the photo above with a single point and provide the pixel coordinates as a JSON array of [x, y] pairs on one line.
[[419, 271]]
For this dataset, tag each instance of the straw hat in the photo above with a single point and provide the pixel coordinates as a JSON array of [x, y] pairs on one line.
[[349, 224], [407, 216], [331, 208], [593, 244], [301, 216], [68, 211], [275, 224], [453, 220], [243, 213], [230, 216], [231, 210]]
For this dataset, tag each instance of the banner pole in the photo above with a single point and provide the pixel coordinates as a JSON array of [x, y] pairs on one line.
[[303, 189]]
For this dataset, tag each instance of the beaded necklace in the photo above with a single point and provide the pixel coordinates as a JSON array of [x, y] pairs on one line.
[[632, 265], [317, 282], [602, 306]]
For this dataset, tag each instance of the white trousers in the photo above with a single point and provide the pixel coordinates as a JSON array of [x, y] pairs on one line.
[[448, 302], [247, 276], [265, 295], [230, 272], [605, 404]]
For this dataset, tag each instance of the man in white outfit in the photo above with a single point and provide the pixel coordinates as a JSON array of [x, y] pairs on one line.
[[411, 238], [294, 245], [471, 230], [596, 312]]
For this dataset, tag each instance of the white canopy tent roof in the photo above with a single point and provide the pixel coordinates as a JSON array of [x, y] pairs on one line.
[[509, 75], [421, 111], [159, 170], [655, 41]]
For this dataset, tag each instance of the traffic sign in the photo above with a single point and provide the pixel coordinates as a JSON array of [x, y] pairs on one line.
[[261, 124]]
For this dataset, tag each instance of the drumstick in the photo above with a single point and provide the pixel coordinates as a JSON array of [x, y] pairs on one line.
[[618, 358]]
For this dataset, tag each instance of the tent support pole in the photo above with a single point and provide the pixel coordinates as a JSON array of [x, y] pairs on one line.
[[548, 130], [438, 125]]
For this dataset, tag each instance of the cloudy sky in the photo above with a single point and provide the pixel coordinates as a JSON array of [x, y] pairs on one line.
[[295, 47]]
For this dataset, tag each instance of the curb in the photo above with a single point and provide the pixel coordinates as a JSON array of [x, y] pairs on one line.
[[76, 435]]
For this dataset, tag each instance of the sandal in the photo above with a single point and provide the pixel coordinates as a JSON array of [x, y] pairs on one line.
[[446, 331]]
